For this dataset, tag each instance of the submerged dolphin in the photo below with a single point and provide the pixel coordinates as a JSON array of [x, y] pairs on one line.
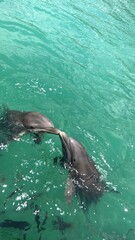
[[14, 124], [22, 225], [84, 178]]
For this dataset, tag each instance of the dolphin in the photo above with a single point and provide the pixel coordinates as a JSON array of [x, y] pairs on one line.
[[84, 179], [22, 225], [14, 124]]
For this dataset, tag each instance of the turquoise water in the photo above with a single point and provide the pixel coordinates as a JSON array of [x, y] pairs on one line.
[[72, 61]]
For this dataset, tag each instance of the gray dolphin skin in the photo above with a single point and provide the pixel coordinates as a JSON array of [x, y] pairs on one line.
[[15, 124], [83, 178]]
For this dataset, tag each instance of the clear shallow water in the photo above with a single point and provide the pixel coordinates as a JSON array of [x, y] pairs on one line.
[[73, 62]]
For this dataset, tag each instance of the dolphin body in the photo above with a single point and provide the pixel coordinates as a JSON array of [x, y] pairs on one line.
[[14, 124], [22, 225], [84, 178]]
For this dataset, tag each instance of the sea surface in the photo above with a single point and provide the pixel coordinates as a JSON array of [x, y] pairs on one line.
[[73, 61]]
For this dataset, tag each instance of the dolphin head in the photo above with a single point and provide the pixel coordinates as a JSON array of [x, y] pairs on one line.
[[66, 145], [35, 122]]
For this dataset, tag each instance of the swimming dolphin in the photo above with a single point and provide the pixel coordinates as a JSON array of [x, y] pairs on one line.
[[84, 178], [22, 225], [14, 124]]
